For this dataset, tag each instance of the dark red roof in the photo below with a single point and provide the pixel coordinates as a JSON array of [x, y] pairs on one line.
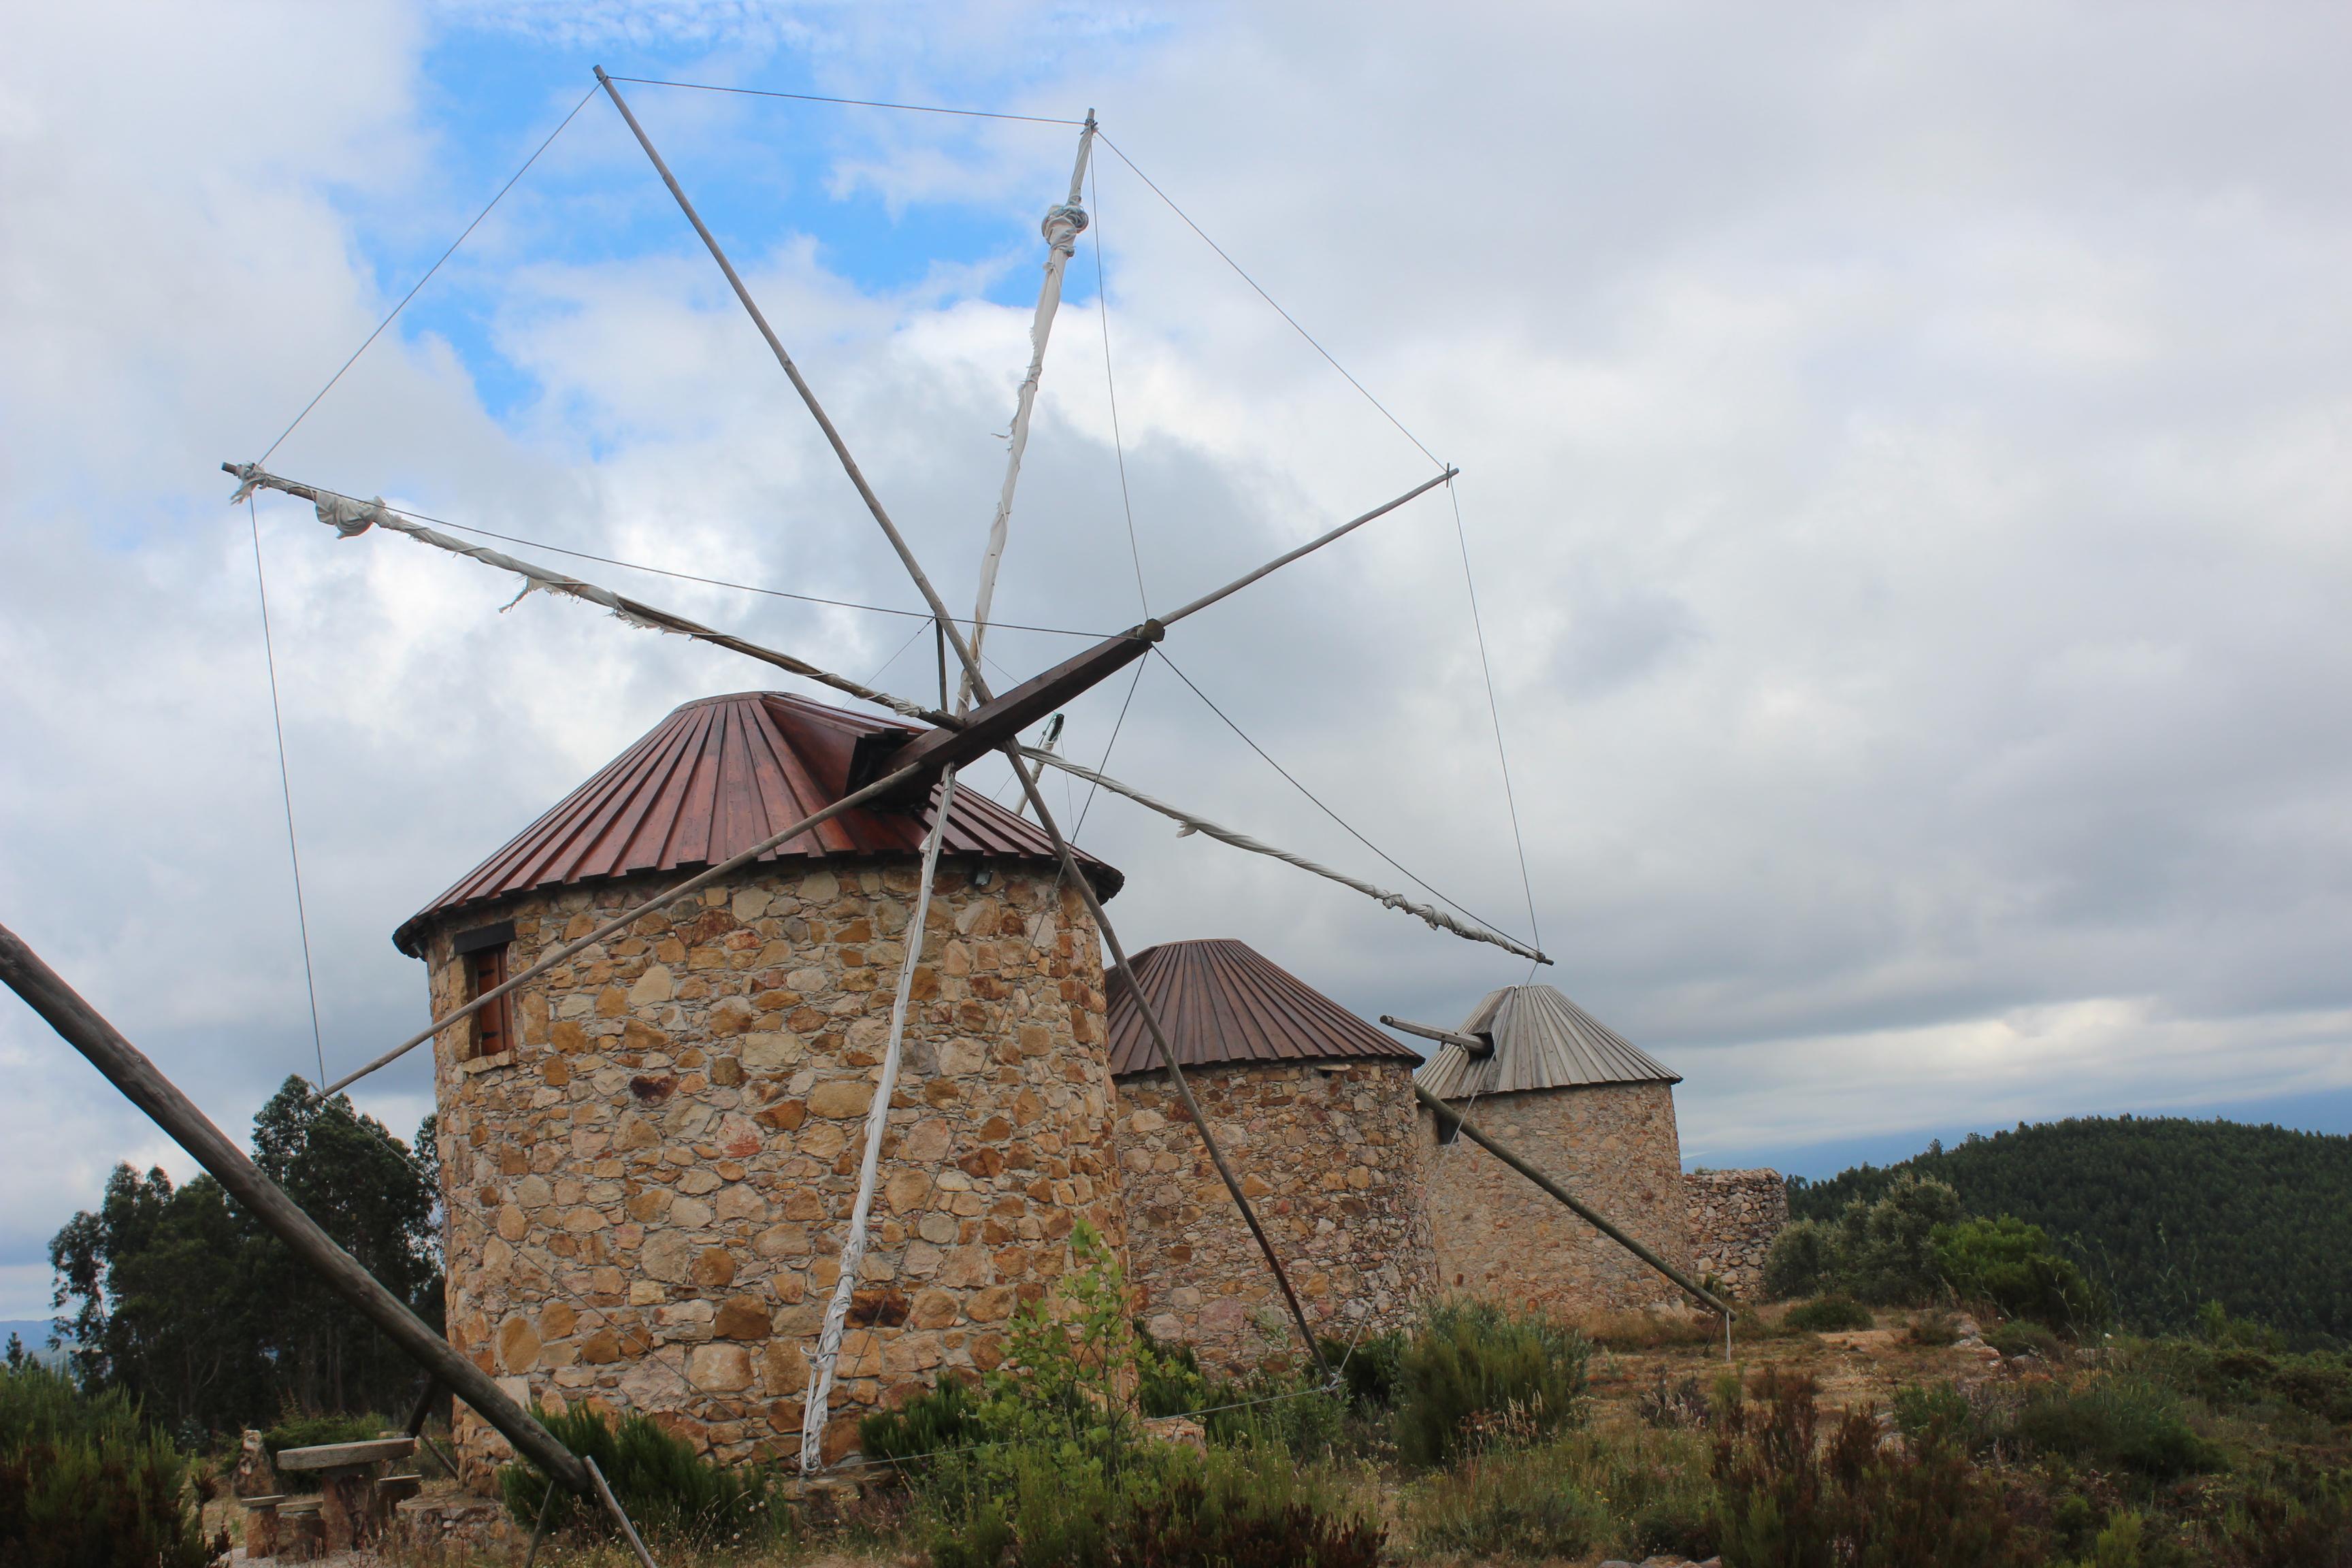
[[711, 780], [1220, 1001]]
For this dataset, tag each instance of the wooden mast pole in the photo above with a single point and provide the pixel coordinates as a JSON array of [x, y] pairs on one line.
[[979, 687]]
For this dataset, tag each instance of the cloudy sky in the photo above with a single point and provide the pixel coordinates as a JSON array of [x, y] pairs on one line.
[[1905, 464]]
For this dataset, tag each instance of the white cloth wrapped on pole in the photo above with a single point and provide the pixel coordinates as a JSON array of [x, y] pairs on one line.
[[1062, 227], [351, 517], [815, 1411], [1436, 917]]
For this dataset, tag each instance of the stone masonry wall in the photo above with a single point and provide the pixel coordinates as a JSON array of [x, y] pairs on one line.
[[1333, 1162], [646, 1199], [1502, 1238], [1734, 1216]]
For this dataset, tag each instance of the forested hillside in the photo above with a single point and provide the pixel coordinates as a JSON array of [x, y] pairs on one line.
[[2166, 1212]]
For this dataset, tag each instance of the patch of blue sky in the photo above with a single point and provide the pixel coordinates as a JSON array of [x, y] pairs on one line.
[[894, 205]]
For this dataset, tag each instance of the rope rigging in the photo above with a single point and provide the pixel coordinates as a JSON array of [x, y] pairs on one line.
[[351, 517], [286, 792]]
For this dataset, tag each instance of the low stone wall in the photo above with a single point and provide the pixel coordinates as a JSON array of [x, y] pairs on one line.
[[1502, 1238], [1734, 1216], [1332, 1161], [647, 1198]]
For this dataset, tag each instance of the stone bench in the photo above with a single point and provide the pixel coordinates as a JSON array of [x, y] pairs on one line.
[[349, 1508]]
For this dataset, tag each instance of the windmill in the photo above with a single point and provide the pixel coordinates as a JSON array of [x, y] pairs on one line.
[[918, 765]]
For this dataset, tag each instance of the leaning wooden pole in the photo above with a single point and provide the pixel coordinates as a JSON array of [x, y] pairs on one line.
[[1449, 1116], [1167, 1054], [128, 1069]]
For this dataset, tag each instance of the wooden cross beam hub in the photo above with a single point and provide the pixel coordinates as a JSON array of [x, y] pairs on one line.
[[990, 726]]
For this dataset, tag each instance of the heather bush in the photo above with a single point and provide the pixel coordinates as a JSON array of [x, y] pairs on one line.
[[1628, 1494], [1788, 1492]]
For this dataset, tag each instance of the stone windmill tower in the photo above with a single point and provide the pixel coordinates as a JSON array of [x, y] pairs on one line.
[[1598, 1113], [1317, 1104], [648, 1154]]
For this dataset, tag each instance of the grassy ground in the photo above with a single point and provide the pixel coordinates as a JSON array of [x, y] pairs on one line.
[[2126, 1454]]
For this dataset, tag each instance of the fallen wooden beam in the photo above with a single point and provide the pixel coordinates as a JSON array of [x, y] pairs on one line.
[[145, 1085]]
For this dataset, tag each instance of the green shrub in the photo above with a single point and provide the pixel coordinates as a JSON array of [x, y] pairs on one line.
[[1474, 1373], [85, 1480], [1801, 1261], [2013, 1266], [1367, 1369], [1043, 1462], [1032, 1504], [2126, 1424], [666, 1487], [1881, 1249], [1829, 1315], [2233, 1379], [1886, 1250], [295, 1430], [951, 1415]]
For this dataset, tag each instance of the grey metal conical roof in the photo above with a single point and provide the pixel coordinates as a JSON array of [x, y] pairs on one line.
[[1542, 1040]]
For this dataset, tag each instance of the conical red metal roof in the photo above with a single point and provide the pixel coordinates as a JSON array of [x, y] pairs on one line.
[[713, 779], [1221, 1001]]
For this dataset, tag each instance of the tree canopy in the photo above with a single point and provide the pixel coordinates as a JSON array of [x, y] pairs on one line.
[[2164, 1213], [179, 1298]]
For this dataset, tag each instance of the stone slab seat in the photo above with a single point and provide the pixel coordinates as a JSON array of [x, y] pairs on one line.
[[336, 1455]]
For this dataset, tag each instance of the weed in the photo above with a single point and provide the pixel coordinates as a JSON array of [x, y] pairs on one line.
[[1934, 1328], [2297, 1516], [1671, 1404], [2020, 1338], [666, 1487]]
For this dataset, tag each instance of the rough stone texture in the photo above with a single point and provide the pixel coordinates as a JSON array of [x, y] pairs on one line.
[[1734, 1216], [646, 1200], [452, 1529], [1502, 1238], [1334, 1162]]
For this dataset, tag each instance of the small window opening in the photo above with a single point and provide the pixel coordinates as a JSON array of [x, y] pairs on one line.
[[1448, 1132], [494, 1026], [484, 954]]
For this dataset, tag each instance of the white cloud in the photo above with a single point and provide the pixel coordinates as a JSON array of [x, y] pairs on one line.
[[1904, 469]]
